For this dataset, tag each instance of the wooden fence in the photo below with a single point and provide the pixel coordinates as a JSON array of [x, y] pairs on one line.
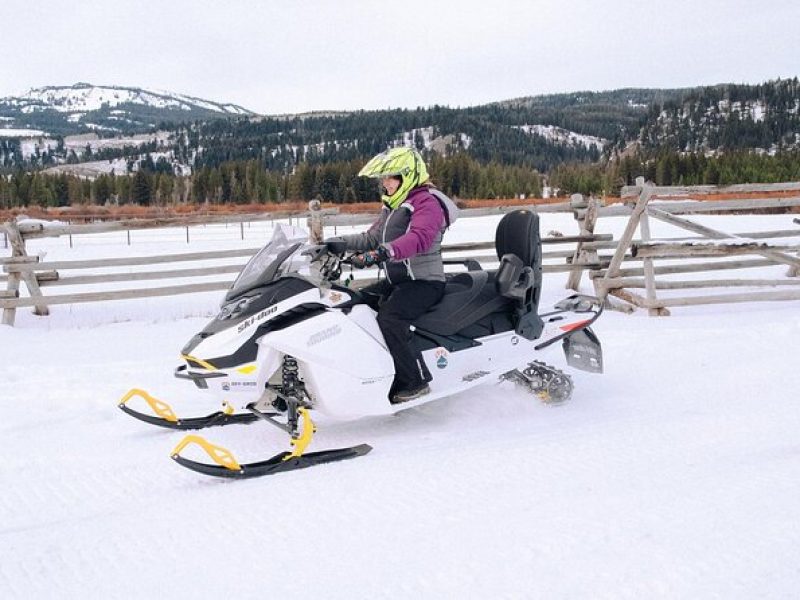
[[574, 255], [39, 276], [618, 282]]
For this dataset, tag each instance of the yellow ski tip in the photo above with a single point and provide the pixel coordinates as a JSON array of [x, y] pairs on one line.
[[162, 409], [222, 456]]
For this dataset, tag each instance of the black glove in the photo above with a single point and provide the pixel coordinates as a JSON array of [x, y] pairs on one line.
[[336, 245], [368, 259]]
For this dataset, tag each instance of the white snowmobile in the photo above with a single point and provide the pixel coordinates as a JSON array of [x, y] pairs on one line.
[[284, 340]]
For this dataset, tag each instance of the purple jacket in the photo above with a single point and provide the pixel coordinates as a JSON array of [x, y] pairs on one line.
[[412, 233], [426, 224]]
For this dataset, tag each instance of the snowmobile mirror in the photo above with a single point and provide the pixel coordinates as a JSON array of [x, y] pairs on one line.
[[336, 246], [583, 351]]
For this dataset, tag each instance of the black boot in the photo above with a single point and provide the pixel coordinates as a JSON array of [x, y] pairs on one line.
[[412, 394]]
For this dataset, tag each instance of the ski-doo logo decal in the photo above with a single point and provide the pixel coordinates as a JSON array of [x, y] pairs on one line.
[[441, 358], [248, 322], [323, 335], [229, 386], [514, 340], [474, 376]]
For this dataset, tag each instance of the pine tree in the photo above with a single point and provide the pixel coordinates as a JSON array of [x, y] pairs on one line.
[[140, 189]]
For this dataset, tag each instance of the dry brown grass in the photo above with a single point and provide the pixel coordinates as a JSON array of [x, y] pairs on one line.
[[129, 211], [88, 212]]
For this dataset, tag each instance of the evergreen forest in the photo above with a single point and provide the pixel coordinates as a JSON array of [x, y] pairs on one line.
[[711, 135]]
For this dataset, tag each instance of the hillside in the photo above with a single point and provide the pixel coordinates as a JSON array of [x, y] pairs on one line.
[[585, 142], [538, 131], [727, 117]]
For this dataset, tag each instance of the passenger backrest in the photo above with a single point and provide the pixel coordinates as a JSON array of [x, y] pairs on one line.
[[519, 276], [518, 234]]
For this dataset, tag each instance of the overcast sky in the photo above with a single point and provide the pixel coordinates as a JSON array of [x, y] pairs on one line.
[[298, 55]]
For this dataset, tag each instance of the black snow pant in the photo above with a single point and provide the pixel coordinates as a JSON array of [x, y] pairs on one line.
[[397, 306]]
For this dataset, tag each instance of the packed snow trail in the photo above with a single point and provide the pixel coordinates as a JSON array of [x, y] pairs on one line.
[[675, 474]]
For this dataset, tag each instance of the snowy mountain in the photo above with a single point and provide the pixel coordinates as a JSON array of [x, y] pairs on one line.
[[84, 98], [540, 132], [85, 107]]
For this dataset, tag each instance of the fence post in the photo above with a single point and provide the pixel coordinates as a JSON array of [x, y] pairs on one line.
[[794, 271], [586, 225], [13, 286], [9, 314], [649, 272], [315, 224], [601, 285], [29, 277]]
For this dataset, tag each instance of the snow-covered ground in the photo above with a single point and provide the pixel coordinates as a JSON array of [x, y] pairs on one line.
[[78, 143], [20, 133], [675, 474]]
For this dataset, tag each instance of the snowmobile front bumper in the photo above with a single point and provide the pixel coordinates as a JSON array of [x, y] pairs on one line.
[[199, 379]]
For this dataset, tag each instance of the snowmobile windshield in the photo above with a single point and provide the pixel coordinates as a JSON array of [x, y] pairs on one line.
[[280, 255]]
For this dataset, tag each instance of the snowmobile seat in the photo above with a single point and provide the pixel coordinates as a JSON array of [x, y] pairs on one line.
[[475, 295], [467, 298]]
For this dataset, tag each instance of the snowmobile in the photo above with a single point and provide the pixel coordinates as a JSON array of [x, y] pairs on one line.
[[283, 342]]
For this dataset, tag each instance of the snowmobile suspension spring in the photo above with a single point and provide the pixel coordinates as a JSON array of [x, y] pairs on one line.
[[289, 375]]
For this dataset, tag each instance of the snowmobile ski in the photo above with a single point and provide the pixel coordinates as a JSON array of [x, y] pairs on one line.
[[228, 467], [166, 417], [299, 426]]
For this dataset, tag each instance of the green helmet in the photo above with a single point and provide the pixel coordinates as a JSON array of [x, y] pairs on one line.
[[405, 163]]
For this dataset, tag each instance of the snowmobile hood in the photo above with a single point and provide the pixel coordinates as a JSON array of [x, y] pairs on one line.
[[243, 307]]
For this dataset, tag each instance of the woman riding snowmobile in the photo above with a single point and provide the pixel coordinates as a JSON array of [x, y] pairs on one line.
[[405, 241]]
